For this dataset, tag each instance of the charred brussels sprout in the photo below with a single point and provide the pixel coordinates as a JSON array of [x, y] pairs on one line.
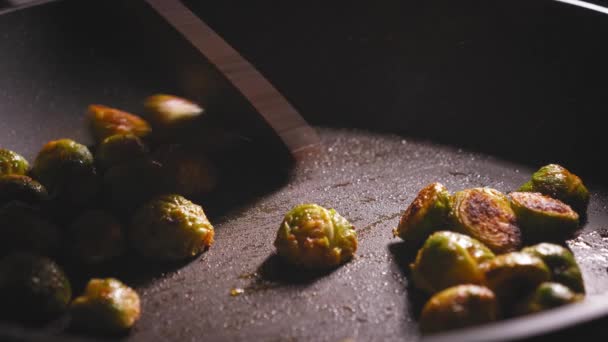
[[96, 236], [21, 188], [107, 306], [562, 264], [12, 163], [186, 172], [24, 228], [168, 113], [542, 217], [66, 168], [486, 215], [170, 227], [313, 237], [458, 307], [514, 275], [108, 121], [118, 149], [129, 185], [547, 296], [428, 212], [32, 287], [555, 181], [448, 259]]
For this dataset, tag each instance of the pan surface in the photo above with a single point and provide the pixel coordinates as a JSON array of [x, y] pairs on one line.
[[390, 120]]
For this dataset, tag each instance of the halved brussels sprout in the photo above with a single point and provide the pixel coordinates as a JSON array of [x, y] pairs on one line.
[[448, 259], [107, 121], [120, 148], [24, 228], [96, 236], [66, 168], [556, 181], [313, 237], [429, 212], [32, 287], [170, 227], [547, 296], [167, 111], [486, 215], [541, 217], [12, 163], [21, 188], [514, 275], [186, 172], [562, 264], [458, 307], [107, 306]]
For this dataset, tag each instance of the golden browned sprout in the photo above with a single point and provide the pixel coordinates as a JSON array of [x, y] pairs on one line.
[[12, 163], [314, 237], [120, 148], [166, 111], [547, 296], [562, 264], [428, 213], [458, 307], [486, 215], [107, 121], [541, 217], [448, 259]]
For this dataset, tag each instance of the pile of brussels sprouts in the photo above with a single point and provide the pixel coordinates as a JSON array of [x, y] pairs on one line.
[[90, 205], [483, 255]]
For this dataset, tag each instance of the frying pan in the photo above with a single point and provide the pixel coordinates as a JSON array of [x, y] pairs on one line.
[[401, 93]]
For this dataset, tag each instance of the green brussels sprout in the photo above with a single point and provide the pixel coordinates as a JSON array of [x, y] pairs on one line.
[[428, 212], [562, 264], [120, 148], [21, 188], [12, 163], [555, 181], [313, 237], [486, 215], [128, 185], [168, 112], [547, 296], [541, 217], [107, 306], [170, 227], [186, 172], [96, 236], [107, 121], [24, 228], [32, 287], [66, 168], [514, 275], [458, 307], [448, 259]]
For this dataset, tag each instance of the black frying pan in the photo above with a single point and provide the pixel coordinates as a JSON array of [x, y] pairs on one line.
[[469, 93]]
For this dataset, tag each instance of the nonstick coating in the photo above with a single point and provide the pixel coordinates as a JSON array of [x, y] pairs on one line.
[[52, 69]]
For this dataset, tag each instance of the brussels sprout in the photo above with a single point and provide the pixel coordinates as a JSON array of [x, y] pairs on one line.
[[428, 212], [120, 148], [458, 307], [449, 259], [555, 181], [562, 264], [66, 168], [108, 121], [107, 306], [547, 296], [23, 228], [129, 185], [313, 237], [12, 163], [170, 227], [96, 236], [514, 275], [542, 217], [186, 172], [486, 215], [167, 111], [21, 188], [32, 287]]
